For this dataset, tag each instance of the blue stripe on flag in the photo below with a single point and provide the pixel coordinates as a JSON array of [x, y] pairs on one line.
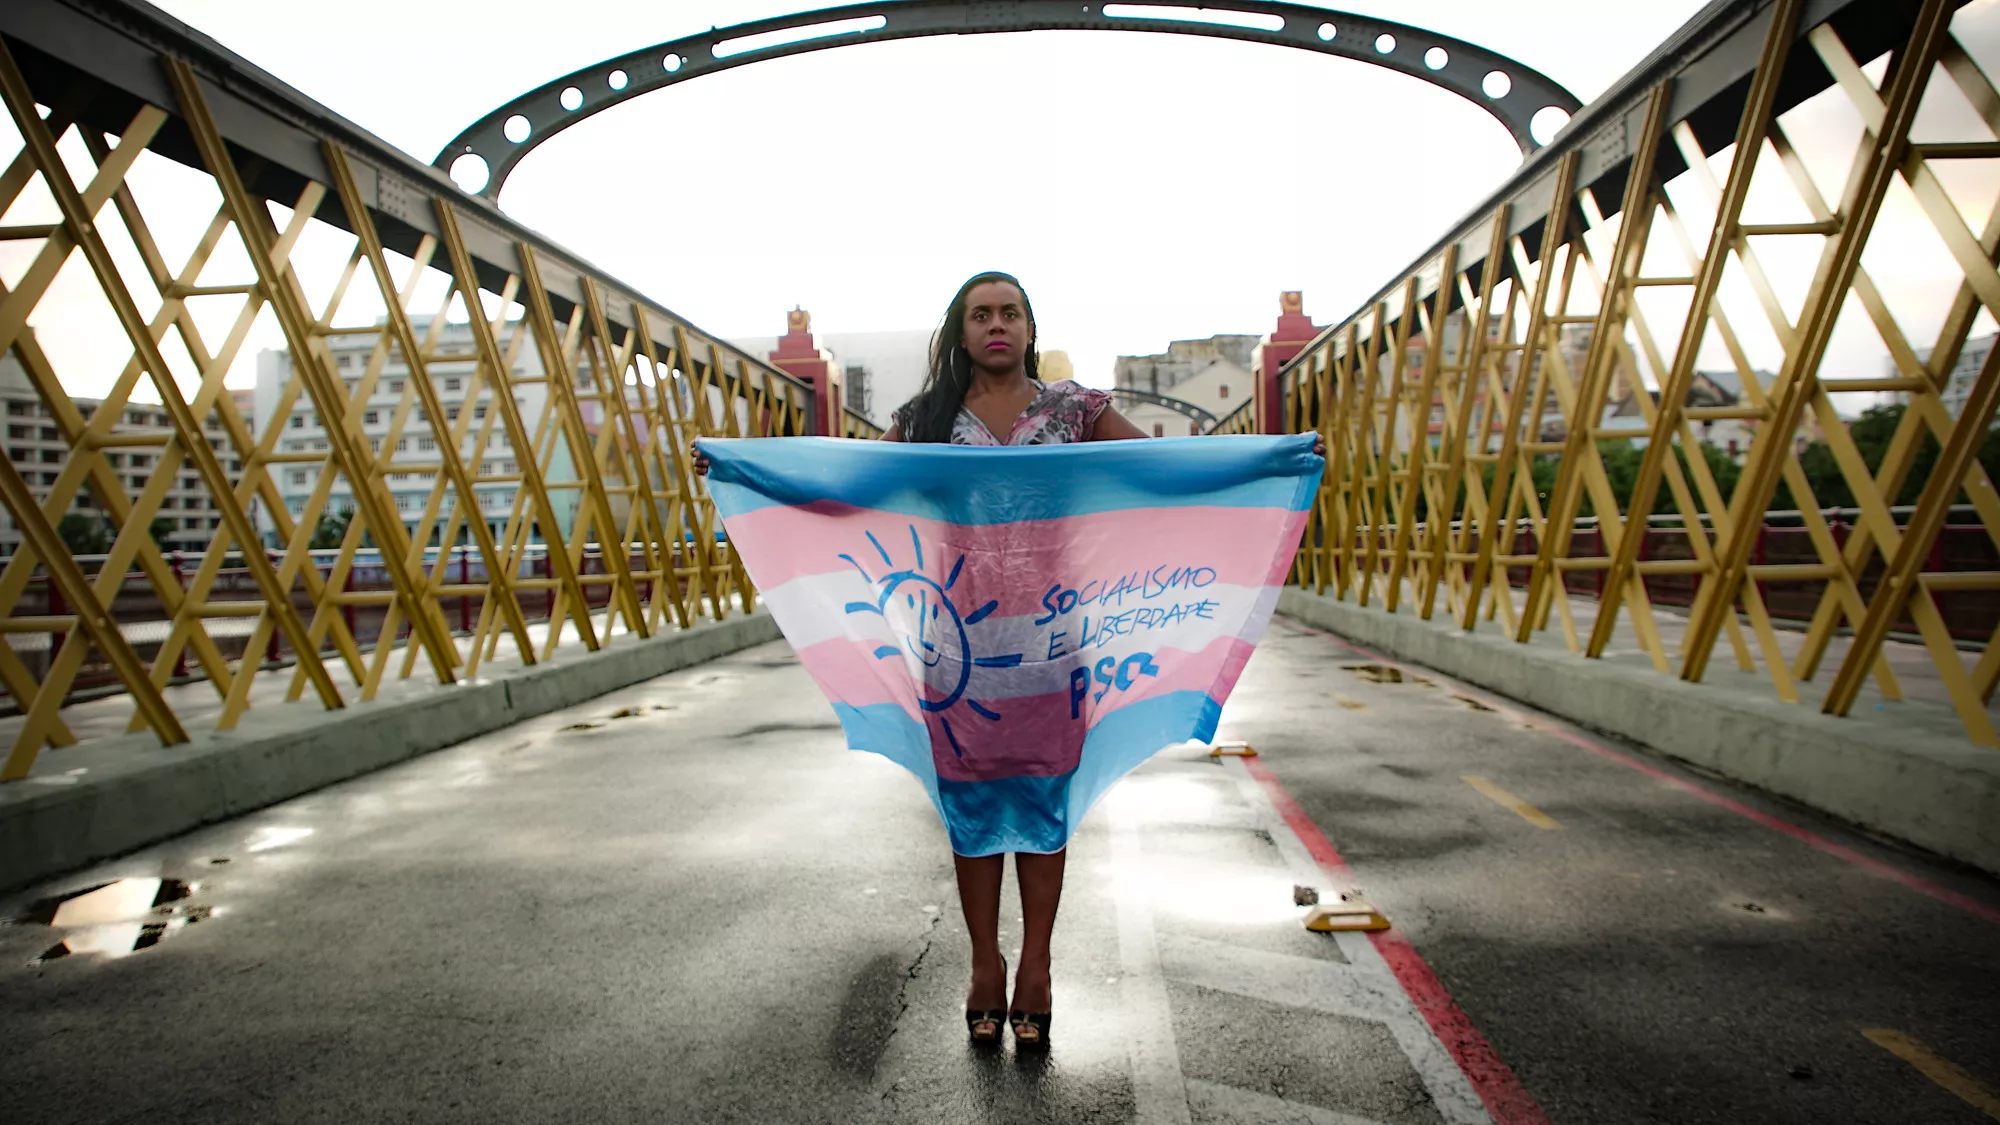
[[957, 484]]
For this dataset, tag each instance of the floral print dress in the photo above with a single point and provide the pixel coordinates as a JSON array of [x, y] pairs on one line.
[[1063, 412]]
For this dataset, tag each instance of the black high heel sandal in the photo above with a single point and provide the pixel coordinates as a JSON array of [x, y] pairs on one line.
[[982, 1025], [1031, 1030]]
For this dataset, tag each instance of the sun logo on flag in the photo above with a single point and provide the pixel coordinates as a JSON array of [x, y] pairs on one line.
[[933, 630]]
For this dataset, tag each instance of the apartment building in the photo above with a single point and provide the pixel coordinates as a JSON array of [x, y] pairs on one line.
[[188, 516], [415, 452]]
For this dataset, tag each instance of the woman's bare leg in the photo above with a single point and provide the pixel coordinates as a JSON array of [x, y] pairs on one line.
[[979, 896], [1041, 878]]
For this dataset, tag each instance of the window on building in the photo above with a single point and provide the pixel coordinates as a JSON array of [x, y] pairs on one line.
[[1222, 391], [451, 412], [162, 420], [138, 482], [298, 476], [508, 467], [453, 383], [395, 386], [214, 522], [479, 411], [20, 409], [50, 478], [19, 456], [21, 433], [298, 421], [1158, 430], [319, 447], [402, 445], [190, 523], [426, 445], [371, 418], [51, 457], [49, 433]]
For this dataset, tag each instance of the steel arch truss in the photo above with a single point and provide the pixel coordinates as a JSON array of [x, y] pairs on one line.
[[1179, 406], [1463, 68]]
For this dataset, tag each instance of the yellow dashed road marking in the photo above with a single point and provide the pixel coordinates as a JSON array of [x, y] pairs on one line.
[[1944, 1072], [1526, 811]]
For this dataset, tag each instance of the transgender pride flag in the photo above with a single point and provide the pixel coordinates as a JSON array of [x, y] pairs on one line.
[[1018, 626]]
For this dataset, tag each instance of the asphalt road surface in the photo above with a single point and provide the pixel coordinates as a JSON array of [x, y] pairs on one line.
[[686, 902]]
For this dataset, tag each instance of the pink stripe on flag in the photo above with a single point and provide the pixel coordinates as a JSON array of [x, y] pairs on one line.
[[1034, 735], [1008, 562], [847, 671]]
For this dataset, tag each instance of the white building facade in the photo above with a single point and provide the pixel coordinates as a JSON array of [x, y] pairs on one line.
[[1211, 375], [415, 454], [35, 447]]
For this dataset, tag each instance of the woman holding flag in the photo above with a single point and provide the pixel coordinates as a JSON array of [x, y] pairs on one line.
[[983, 390]]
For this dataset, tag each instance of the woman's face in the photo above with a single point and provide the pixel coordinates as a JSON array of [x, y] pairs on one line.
[[997, 328]]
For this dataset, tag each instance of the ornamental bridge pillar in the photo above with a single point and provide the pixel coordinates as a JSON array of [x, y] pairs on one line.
[[800, 358], [1293, 332]]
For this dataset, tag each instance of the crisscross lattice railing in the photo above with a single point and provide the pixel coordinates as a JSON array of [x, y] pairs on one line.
[[1796, 198], [164, 195]]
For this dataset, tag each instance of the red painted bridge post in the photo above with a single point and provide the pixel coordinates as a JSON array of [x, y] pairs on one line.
[[1293, 332], [800, 358]]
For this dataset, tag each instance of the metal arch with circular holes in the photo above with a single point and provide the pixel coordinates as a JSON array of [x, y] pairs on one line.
[[1180, 406], [1468, 70]]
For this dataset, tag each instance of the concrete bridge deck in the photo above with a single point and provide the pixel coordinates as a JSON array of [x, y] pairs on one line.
[[686, 902]]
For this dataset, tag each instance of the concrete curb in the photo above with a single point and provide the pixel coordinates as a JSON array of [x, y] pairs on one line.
[[134, 792], [1927, 788]]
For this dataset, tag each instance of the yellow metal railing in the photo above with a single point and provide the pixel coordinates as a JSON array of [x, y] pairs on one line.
[[332, 237], [1470, 411]]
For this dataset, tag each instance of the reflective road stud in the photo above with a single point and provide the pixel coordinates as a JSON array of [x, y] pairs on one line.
[[1348, 914]]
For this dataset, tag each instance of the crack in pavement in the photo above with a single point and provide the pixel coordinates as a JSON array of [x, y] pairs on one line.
[[929, 938]]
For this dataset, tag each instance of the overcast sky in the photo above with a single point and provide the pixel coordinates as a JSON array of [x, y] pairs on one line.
[[1145, 187]]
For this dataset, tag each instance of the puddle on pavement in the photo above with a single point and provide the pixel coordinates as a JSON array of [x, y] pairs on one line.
[[115, 918], [1386, 674]]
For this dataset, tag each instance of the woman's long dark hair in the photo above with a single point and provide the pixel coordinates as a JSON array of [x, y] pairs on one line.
[[932, 413]]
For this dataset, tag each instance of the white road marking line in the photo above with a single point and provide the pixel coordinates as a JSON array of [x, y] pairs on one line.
[[1449, 1088], [1158, 1089], [1216, 1102]]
